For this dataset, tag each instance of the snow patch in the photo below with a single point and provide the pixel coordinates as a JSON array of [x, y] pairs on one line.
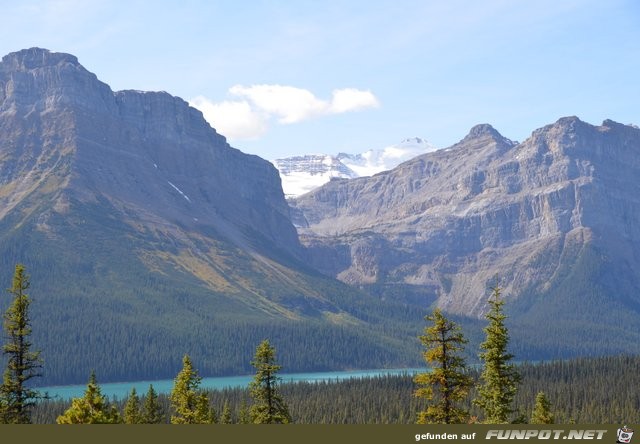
[[301, 174], [179, 191]]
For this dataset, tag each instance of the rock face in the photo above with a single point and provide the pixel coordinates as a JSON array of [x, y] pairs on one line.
[[444, 225], [150, 154]]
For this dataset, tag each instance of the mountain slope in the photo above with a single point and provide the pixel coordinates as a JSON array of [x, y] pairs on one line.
[[148, 236], [554, 217], [301, 174]]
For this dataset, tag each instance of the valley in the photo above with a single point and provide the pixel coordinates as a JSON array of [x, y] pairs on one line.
[[148, 236]]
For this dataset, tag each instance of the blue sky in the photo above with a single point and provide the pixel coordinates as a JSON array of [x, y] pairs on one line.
[[292, 77]]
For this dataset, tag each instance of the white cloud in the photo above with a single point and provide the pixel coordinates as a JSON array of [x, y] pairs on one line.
[[290, 104], [248, 117], [233, 119], [350, 99]]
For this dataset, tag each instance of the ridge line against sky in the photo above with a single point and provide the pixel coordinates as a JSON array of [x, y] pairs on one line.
[[280, 78]]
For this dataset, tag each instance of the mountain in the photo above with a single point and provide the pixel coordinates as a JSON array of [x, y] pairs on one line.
[[148, 236], [301, 174], [377, 160], [554, 218]]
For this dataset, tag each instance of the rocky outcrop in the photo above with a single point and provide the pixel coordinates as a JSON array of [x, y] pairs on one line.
[[447, 223]]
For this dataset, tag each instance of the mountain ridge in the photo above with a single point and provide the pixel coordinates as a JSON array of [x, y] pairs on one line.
[[440, 228]]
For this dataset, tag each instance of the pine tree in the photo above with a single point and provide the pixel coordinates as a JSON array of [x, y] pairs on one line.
[[132, 413], [499, 377], [448, 382], [204, 414], [243, 413], [226, 414], [92, 408], [542, 410], [152, 412], [16, 399], [189, 405], [268, 406]]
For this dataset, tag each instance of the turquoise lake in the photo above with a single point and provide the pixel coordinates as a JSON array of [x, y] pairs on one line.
[[122, 389]]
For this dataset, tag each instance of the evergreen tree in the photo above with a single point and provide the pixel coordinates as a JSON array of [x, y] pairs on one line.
[[542, 410], [268, 406], [205, 414], [152, 412], [190, 406], [16, 399], [132, 413], [226, 414], [499, 377], [92, 408], [243, 414], [448, 382]]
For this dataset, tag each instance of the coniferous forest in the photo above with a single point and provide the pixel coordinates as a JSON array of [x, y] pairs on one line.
[[585, 390]]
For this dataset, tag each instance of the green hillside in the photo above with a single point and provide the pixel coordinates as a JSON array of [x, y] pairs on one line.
[[130, 305]]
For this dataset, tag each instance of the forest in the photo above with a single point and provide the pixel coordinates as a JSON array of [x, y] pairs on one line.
[[586, 391], [496, 391]]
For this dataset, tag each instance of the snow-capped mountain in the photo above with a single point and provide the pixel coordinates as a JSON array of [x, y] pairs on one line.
[[301, 174]]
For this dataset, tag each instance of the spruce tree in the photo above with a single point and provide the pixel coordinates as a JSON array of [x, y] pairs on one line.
[[204, 414], [268, 405], [189, 405], [23, 364], [92, 408], [447, 384], [152, 412], [225, 418], [542, 410], [243, 413], [499, 377], [132, 413]]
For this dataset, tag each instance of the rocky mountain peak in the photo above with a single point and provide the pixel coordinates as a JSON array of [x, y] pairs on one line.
[[564, 125], [34, 58], [39, 80], [566, 135], [484, 130]]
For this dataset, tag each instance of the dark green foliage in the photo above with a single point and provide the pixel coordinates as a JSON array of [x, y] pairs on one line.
[[268, 406], [23, 364], [585, 391], [189, 404], [130, 319], [225, 418], [152, 411], [499, 378], [92, 408], [591, 307], [542, 410], [132, 413], [448, 382], [243, 413]]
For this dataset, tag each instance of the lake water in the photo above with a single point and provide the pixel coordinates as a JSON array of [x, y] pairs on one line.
[[122, 389]]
